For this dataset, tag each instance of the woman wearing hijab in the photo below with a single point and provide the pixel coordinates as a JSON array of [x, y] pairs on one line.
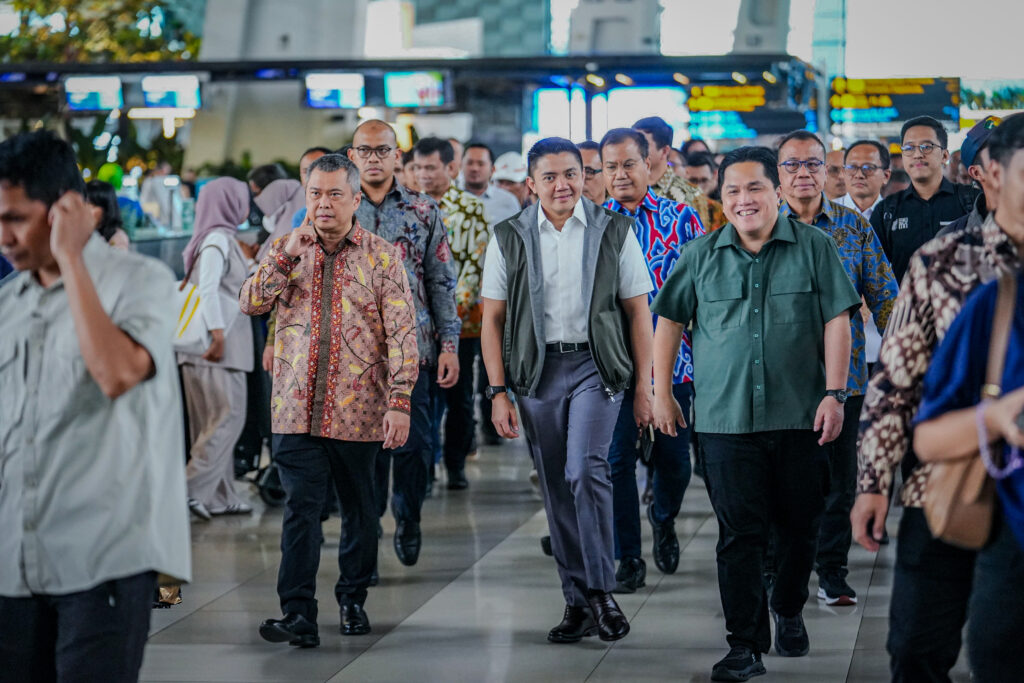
[[215, 383], [278, 201]]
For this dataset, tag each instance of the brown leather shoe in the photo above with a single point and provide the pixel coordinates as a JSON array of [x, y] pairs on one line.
[[576, 623], [611, 622]]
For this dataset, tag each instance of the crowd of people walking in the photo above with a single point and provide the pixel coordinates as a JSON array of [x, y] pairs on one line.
[[786, 322]]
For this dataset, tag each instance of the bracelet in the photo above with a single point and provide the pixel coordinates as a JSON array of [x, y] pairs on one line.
[[1013, 463]]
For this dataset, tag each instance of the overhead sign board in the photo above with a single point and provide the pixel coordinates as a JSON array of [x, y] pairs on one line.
[[888, 100]]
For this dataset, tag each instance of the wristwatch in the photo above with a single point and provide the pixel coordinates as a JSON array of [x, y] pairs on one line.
[[491, 392], [838, 394]]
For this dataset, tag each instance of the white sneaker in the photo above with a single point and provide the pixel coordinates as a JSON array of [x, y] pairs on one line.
[[198, 509], [233, 509]]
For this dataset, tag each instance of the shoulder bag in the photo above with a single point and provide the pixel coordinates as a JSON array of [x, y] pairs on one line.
[[960, 494]]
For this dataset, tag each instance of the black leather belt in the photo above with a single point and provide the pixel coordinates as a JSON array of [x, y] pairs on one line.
[[566, 347]]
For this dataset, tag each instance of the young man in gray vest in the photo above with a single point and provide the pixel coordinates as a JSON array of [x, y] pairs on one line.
[[565, 324]]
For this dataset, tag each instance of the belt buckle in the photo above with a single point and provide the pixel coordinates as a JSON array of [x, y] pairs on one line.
[[566, 347]]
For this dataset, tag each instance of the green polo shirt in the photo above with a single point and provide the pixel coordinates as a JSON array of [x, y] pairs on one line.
[[758, 325]]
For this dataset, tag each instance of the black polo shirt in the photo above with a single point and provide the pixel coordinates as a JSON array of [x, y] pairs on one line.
[[904, 221]]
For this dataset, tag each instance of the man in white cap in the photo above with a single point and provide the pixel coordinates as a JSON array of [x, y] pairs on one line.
[[510, 175]]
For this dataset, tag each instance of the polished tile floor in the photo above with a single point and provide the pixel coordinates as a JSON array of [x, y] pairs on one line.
[[479, 604]]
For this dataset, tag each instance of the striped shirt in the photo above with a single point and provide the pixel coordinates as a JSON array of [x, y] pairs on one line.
[[662, 227]]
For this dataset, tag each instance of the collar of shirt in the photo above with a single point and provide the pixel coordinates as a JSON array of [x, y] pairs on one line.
[[649, 202], [848, 201], [394, 193], [577, 213], [783, 232], [92, 253], [355, 236], [827, 210], [945, 187]]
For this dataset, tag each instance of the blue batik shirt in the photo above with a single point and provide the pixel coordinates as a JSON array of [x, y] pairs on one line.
[[662, 227], [869, 271]]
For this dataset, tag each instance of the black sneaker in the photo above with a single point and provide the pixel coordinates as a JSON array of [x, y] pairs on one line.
[[740, 664], [833, 589], [666, 543], [630, 576], [791, 636]]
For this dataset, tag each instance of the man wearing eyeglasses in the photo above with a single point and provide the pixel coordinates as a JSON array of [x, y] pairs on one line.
[[802, 176], [908, 219], [413, 223], [866, 168], [593, 176], [662, 226]]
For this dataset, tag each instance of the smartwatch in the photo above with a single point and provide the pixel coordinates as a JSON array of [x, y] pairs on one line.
[[491, 392], [838, 394]]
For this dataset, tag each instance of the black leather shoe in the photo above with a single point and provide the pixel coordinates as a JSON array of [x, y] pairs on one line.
[[354, 621], [374, 577], [631, 575], [740, 664], [611, 622], [457, 480], [545, 546], [294, 629], [577, 623], [791, 636], [408, 540], [666, 544]]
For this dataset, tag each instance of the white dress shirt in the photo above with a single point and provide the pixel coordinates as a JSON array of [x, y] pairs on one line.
[[499, 204], [566, 313], [847, 201]]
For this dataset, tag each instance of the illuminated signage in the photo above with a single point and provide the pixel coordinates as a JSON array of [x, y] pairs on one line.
[[884, 100], [328, 90], [726, 98], [415, 89], [93, 93], [171, 91]]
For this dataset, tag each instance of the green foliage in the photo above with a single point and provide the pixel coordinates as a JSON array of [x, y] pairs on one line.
[[97, 31]]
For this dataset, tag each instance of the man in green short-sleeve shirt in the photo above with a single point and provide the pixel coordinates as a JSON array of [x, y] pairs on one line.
[[770, 305]]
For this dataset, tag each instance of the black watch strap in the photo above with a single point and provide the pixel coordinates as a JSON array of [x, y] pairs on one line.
[[493, 391], [838, 394]]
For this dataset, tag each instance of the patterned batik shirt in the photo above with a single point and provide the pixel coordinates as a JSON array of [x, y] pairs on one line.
[[678, 190], [869, 271], [662, 227], [345, 349], [412, 222], [940, 276], [468, 235]]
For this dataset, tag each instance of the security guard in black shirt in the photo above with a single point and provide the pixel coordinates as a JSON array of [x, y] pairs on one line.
[[906, 220]]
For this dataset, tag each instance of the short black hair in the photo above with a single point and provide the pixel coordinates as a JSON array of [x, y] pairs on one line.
[[547, 147], [685, 149], [42, 164], [332, 163], [762, 155], [617, 136], [427, 146], [407, 157], [660, 131], [589, 145], [929, 121], [700, 159], [802, 135], [883, 151], [343, 150], [1006, 139], [103, 195], [480, 145], [318, 148], [261, 176]]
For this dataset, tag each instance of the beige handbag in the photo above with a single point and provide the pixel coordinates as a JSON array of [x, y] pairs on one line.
[[960, 495]]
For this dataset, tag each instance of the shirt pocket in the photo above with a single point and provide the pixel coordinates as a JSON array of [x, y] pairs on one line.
[[791, 298], [721, 305]]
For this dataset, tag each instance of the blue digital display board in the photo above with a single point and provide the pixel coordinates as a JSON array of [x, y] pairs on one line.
[[330, 90]]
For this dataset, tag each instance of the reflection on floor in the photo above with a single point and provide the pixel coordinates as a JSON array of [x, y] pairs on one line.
[[480, 602]]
